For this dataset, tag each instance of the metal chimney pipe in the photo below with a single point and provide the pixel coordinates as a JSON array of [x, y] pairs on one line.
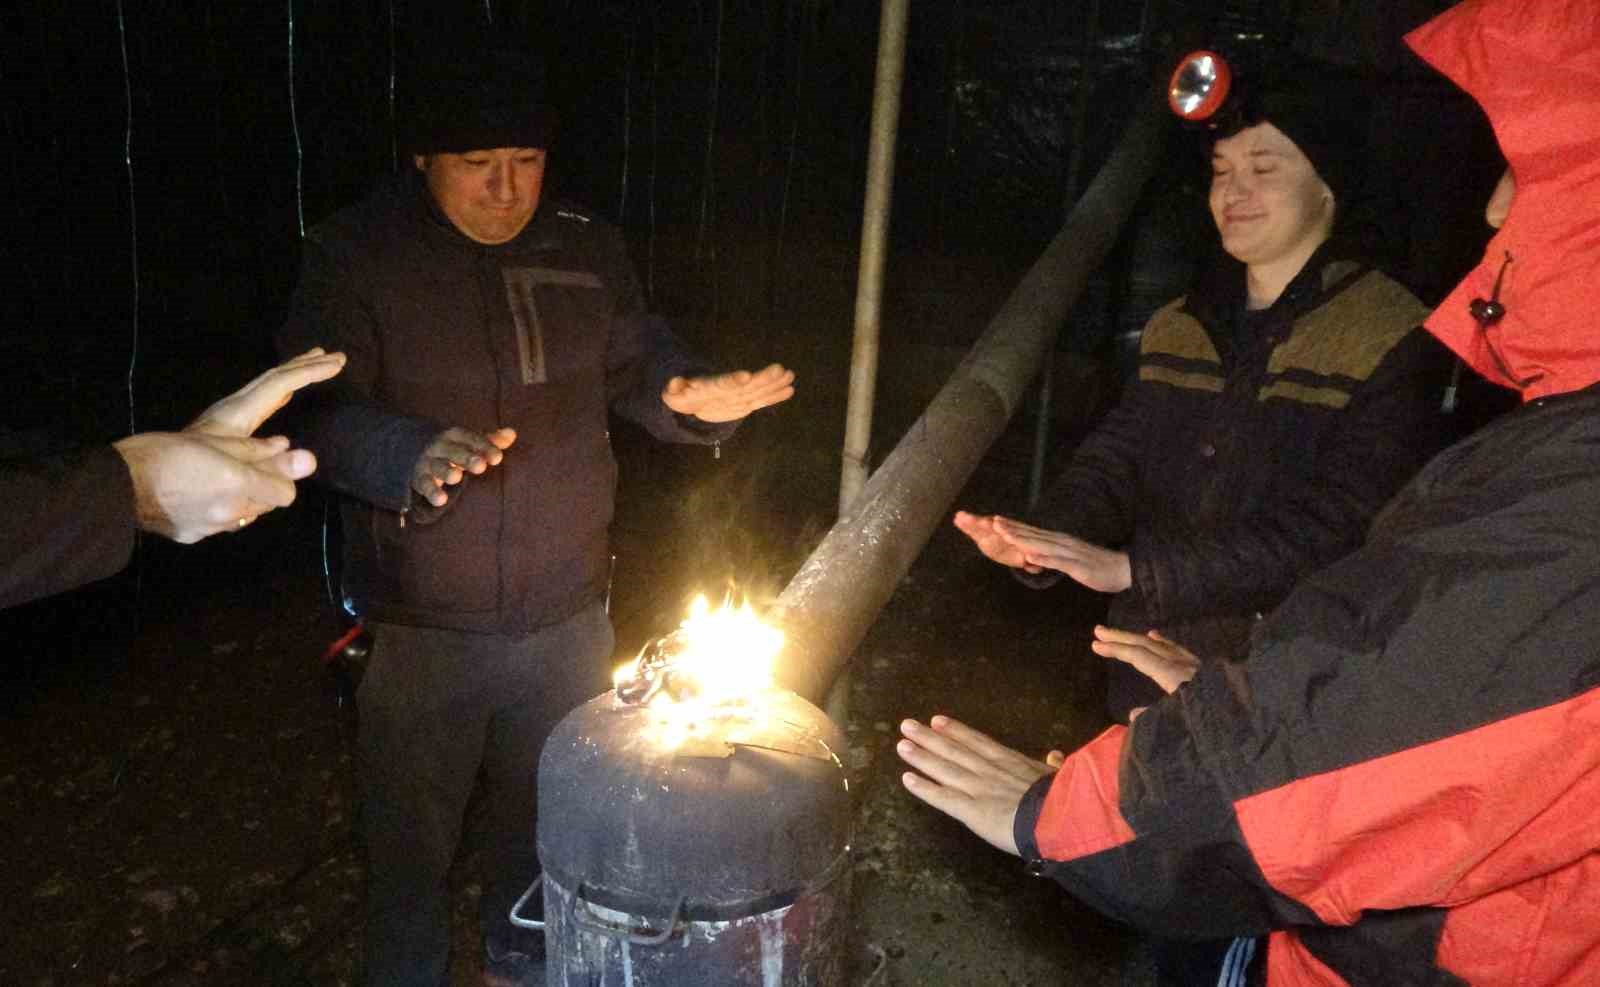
[[826, 609]]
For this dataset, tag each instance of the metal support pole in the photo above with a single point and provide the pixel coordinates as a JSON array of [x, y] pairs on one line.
[[874, 239], [826, 609]]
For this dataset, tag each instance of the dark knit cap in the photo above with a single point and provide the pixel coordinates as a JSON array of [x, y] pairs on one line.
[[1324, 111], [472, 97]]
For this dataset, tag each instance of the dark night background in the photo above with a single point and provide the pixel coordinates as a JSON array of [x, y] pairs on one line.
[[164, 156]]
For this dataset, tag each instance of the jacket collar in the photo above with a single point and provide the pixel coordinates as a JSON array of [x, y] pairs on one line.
[[1219, 297]]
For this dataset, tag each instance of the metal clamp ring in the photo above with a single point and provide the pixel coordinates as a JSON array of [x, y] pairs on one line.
[[584, 918]]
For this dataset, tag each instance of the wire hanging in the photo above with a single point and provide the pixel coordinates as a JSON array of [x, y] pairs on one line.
[[627, 116], [794, 144], [394, 132], [133, 210], [708, 184], [655, 140], [294, 121], [708, 175]]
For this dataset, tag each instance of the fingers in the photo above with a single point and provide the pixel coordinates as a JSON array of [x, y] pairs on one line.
[[1168, 664], [293, 464], [453, 454], [243, 411], [246, 449], [967, 776], [981, 529], [262, 490], [970, 751], [1056, 758], [730, 396], [466, 450]]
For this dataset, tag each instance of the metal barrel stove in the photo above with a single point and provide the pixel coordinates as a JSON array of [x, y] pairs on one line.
[[713, 852]]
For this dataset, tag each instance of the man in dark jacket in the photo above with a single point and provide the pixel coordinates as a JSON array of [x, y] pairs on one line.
[[1275, 408], [1399, 784], [78, 512], [489, 334]]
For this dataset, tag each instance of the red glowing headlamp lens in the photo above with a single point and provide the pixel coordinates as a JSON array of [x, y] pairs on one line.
[[1199, 86]]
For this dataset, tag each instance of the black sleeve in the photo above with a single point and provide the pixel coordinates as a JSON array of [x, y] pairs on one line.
[[362, 449], [73, 523], [1094, 497], [642, 355]]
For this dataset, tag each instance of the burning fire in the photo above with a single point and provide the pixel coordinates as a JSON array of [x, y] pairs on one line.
[[717, 664]]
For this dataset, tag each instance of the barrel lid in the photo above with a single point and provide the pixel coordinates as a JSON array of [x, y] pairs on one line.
[[645, 813]]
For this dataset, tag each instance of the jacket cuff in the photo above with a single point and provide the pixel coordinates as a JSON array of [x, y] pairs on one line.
[[704, 431], [1027, 818], [1036, 580], [403, 446]]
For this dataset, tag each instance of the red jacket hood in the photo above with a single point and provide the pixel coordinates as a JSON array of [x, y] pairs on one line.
[[1534, 66]]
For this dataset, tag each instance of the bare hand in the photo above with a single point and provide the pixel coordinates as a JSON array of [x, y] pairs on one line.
[[1167, 662], [188, 486], [1101, 569], [242, 412], [981, 529], [731, 396], [969, 776], [453, 454]]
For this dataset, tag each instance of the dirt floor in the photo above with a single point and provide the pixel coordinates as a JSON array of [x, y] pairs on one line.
[[176, 789]]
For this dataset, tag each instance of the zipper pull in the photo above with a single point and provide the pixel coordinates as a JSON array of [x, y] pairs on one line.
[[716, 449], [403, 512]]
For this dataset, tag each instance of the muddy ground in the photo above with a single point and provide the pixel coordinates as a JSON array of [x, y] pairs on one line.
[[177, 798]]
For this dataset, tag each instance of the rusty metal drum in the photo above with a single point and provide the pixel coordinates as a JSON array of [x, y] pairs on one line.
[[714, 851]]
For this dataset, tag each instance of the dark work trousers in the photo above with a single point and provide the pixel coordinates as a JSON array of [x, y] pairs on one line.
[[436, 705]]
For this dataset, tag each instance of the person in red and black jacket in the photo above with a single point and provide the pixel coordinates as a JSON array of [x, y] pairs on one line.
[[1401, 782]]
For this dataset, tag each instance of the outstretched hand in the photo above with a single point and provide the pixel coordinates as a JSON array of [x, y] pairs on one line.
[[995, 546], [213, 476], [242, 412], [731, 396], [453, 454], [188, 486], [1165, 661], [1103, 569], [969, 776]]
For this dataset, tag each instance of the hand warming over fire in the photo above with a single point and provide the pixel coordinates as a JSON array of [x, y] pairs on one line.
[[242, 412], [453, 454], [1169, 663], [994, 546], [731, 396], [969, 776], [1101, 569]]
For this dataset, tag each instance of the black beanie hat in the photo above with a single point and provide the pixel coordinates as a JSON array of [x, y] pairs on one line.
[[1324, 111], [466, 97]]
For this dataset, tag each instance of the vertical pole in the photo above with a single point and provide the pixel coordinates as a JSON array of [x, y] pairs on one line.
[[874, 238]]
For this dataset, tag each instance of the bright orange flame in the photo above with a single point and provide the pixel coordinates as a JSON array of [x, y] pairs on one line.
[[726, 658]]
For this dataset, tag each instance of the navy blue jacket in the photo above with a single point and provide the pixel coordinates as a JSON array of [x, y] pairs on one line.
[[543, 334]]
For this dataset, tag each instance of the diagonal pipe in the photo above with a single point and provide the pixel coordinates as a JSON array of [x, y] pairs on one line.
[[838, 592]]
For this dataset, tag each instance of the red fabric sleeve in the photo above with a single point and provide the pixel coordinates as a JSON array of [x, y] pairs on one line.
[[1081, 814]]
